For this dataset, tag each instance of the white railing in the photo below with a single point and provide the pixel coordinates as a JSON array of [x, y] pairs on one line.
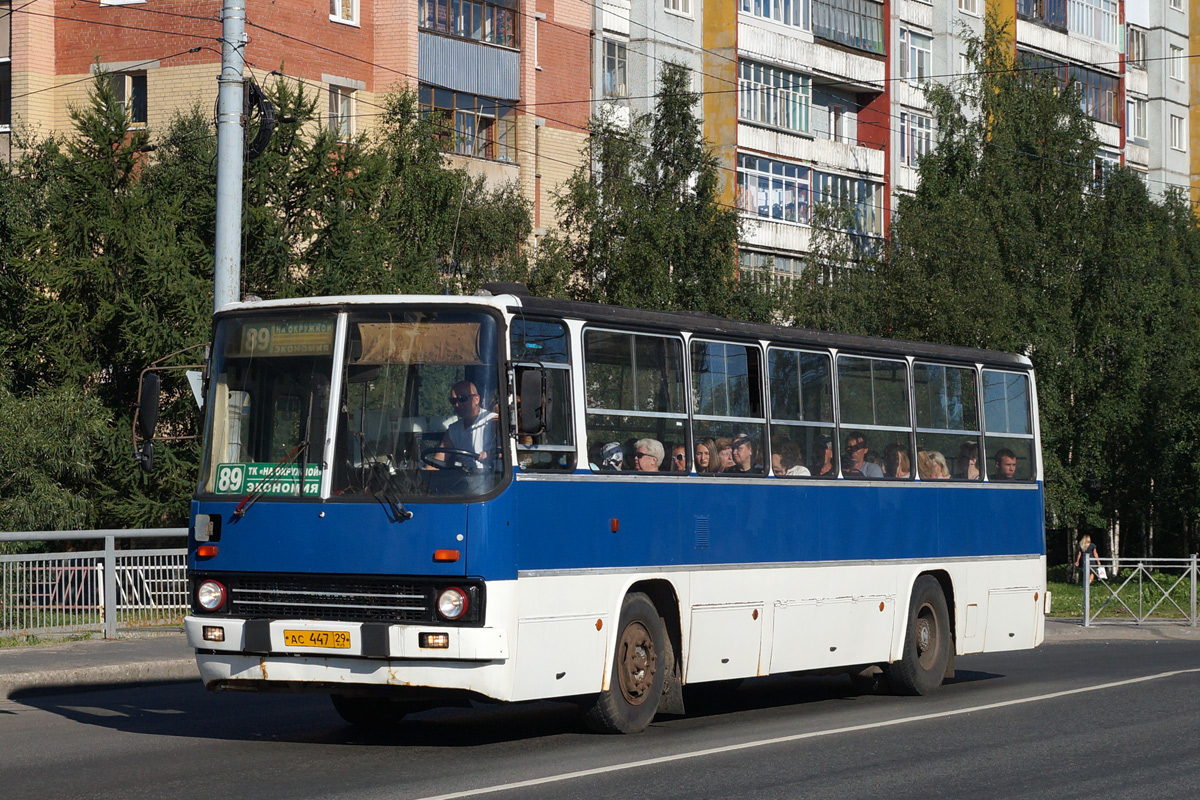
[[92, 590], [1162, 589]]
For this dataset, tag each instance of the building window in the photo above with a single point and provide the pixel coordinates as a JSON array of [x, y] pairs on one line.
[[480, 126], [344, 11], [1098, 90], [774, 96], [837, 124], [1095, 19], [492, 21], [341, 112], [916, 55], [1178, 133], [678, 6], [969, 7], [1176, 62], [854, 23], [858, 195], [789, 12], [1135, 55], [129, 90], [772, 189], [1177, 5], [916, 137], [1135, 118], [615, 62], [1052, 13]]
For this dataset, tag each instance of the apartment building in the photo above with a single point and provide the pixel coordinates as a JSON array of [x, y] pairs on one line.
[[487, 63], [804, 101], [812, 101]]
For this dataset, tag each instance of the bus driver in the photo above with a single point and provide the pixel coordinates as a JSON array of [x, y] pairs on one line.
[[475, 429]]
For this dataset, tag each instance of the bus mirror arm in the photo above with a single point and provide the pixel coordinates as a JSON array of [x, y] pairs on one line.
[[388, 497]]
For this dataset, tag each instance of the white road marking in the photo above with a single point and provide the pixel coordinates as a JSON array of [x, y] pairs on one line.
[[649, 762]]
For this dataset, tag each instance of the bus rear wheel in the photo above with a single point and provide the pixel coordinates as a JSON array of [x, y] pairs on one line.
[[639, 668], [927, 642]]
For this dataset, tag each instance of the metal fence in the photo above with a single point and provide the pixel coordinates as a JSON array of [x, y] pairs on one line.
[[1162, 589], [94, 590]]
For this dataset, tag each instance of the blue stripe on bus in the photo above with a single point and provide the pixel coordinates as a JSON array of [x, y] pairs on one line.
[[555, 525]]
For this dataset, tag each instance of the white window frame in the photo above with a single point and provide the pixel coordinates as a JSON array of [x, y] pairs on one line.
[[1135, 118], [1176, 62], [1135, 47], [620, 63], [681, 7], [1095, 19], [916, 55], [336, 12], [1178, 133], [774, 96], [793, 13], [123, 86], [342, 100], [970, 7], [916, 137], [1177, 5]]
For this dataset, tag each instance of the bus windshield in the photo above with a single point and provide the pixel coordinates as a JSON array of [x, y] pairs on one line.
[[417, 417]]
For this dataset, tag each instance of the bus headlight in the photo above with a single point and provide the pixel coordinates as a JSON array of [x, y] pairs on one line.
[[452, 603], [210, 595]]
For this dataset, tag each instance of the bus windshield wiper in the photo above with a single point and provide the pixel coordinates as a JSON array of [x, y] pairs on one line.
[[257, 491]]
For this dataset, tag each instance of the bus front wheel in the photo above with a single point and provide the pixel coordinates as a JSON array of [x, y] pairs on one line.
[[927, 641], [638, 671]]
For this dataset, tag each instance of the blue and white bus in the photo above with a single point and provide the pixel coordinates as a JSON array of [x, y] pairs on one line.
[[413, 501]]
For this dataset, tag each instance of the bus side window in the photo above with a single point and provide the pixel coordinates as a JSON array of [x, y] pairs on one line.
[[875, 429], [635, 385], [543, 345], [727, 393], [802, 433], [947, 403], [1008, 428]]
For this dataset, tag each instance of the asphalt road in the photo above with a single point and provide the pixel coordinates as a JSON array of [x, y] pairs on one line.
[[1086, 719]]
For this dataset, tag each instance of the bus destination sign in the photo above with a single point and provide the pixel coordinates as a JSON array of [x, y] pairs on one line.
[[294, 337], [267, 479]]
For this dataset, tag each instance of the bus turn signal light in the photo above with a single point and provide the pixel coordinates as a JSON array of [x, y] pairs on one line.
[[446, 555], [206, 551], [436, 641]]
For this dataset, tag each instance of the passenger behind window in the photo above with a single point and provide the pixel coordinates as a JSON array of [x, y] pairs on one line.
[[608, 458], [706, 456], [896, 463], [931, 466], [968, 462], [647, 455], [822, 456], [743, 454], [787, 461], [679, 459], [724, 454], [1006, 466], [857, 464]]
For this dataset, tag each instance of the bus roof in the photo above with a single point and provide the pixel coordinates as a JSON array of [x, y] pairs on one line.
[[691, 322]]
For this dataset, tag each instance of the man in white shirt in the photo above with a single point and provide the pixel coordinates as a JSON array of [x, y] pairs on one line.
[[474, 431]]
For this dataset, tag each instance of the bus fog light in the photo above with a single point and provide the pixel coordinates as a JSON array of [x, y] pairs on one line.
[[439, 641], [214, 633], [210, 595], [452, 603]]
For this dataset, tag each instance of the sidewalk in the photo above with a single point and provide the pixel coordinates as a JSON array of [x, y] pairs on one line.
[[72, 666]]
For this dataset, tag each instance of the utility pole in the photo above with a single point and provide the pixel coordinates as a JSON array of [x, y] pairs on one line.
[[227, 268]]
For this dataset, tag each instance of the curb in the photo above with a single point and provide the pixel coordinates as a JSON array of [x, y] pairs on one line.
[[85, 678]]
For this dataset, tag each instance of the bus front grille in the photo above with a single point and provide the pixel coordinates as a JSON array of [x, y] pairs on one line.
[[330, 598]]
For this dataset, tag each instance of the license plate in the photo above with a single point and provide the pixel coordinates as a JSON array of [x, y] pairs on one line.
[[337, 640]]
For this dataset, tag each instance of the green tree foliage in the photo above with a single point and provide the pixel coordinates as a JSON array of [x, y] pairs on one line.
[[1015, 241], [641, 222], [106, 266]]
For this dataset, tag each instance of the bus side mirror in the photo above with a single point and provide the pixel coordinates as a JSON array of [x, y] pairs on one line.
[[534, 399], [148, 396]]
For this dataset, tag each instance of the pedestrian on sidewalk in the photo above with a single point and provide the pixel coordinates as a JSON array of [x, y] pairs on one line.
[[1086, 547]]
